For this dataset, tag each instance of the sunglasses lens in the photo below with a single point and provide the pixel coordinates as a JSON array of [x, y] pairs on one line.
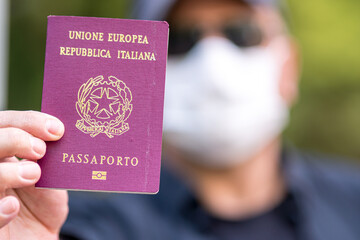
[[181, 41], [244, 35]]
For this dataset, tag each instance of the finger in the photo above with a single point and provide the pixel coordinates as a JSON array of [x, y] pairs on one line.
[[9, 208], [41, 125], [18, 174], [17, 142], [9, 159]]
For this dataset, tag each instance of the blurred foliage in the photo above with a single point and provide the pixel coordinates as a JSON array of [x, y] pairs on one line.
[[327, 115]]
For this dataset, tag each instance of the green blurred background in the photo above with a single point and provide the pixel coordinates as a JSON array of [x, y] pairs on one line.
[[327, 114]]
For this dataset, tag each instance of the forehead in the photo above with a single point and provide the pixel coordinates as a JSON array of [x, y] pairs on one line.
[[207, 11]]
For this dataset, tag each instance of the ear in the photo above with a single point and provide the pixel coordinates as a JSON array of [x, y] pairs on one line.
[[289, 80]]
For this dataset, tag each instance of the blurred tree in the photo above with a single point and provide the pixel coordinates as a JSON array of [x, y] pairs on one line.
[[327, 116]]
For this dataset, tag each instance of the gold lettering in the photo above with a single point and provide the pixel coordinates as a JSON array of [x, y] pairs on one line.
[[111, 162], [81, 35], [78, 52], [134, 161], [121, 38], [102, 159], [119, 159], [85, 52], [90, 52], [65, 155], [127, 55], [77, 35], [79, 158], [95, 36], [147, 56], [72, 51], [102, 53], [110, 37], [135, 55], [71, 34], [145, 40], [126, 160], [134, 37], [62, 51], [123, 54], [116, 37], [96, 53], [105, 53], [87, 35], [93, 161], [72, 159], [128, 38], [86, 158]]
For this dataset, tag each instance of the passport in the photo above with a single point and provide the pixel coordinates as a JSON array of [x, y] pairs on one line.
[[104, 79]]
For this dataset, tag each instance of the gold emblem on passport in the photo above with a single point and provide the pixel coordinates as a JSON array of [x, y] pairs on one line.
[[99, 175], [104, 104]]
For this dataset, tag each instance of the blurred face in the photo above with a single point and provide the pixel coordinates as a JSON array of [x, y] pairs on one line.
[[229, 80]]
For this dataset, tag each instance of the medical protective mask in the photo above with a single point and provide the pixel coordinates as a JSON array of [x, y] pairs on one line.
[[222, 103]]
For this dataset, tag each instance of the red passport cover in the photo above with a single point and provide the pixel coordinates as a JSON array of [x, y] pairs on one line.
[[104, 79]]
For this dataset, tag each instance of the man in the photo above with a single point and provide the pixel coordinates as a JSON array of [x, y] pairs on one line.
[[232, 74]]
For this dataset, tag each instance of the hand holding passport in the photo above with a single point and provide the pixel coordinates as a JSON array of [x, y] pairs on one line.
[[104, 79], [22, 134]]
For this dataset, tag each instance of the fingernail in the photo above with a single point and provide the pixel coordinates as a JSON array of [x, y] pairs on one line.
[[54, 127], [38, 145], [29, 171], [7, 206]]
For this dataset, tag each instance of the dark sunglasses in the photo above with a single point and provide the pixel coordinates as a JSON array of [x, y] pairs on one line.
[[243, 34]]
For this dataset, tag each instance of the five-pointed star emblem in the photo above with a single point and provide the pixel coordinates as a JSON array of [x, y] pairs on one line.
[[106, 101]]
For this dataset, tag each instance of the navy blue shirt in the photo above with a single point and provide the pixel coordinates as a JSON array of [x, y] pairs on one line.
[[323, 203]]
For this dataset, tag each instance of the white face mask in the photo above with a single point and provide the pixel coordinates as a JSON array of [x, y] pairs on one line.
[[222, 103]]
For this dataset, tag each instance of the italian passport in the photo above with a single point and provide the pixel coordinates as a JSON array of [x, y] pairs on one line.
[[104, 79]]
